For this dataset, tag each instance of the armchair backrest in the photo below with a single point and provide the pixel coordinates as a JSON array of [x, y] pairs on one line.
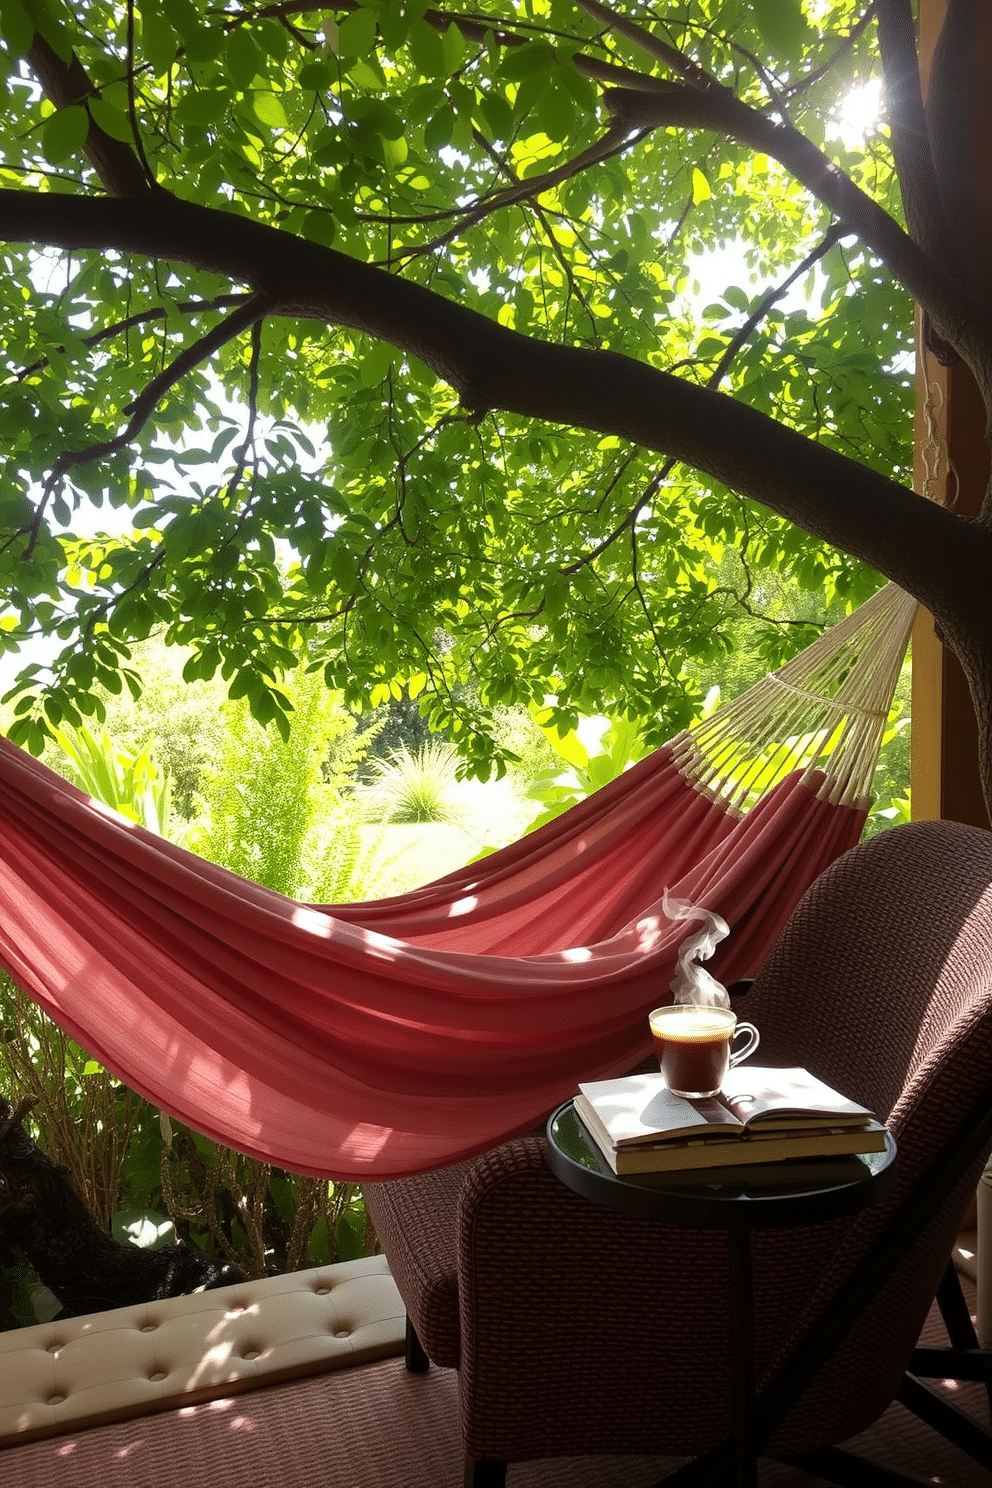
[[883, 962], [882, 981]]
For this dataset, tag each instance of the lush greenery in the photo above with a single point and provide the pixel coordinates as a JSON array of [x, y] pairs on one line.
[[395, 348]]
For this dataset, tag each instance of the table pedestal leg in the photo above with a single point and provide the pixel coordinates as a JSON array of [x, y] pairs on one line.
[[742, 1350]]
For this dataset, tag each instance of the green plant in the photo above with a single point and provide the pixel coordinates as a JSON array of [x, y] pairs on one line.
[[85, 1119], [130, 782], [414, 787], [586, 770], [265, 805]]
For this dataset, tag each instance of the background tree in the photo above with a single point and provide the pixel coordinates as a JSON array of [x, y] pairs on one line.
[[457, 245]]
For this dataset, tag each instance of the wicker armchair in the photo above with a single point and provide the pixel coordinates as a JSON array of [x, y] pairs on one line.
[[576, 1330]]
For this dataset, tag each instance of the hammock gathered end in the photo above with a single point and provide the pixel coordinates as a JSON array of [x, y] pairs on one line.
[[823, 713], [370, 1041]]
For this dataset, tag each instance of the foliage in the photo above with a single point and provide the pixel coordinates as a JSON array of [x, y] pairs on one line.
[[185, 719], [128, 782], [620, 744], [86, 1120], [261, 804], [414, 787], [270, 471]]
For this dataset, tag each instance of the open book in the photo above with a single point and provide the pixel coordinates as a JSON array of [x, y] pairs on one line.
[[761, 1115]]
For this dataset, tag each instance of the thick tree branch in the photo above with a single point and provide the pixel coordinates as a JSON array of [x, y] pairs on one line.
[[957, 111], [117, 165], [960, 320], [493, 367], [662, 51], [908, 128]]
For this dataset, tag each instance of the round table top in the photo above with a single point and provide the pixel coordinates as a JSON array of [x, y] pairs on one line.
[[672, 1198]]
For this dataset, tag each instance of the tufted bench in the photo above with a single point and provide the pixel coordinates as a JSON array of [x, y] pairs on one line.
[[108, 1366]]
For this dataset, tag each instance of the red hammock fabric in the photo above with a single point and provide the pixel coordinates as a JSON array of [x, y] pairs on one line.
[[376, 1040]]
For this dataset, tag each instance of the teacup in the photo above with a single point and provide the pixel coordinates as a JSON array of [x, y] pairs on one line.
[[694, 1046]]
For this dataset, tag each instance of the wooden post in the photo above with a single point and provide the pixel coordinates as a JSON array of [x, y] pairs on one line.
[[951, 465]]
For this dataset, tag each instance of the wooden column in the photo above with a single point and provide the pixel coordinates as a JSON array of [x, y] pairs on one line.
[[952, 466]]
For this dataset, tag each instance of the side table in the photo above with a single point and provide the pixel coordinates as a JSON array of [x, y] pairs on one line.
[[734, 1207]]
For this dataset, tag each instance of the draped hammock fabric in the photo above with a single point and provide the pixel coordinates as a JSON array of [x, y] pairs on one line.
[[370, 1041]]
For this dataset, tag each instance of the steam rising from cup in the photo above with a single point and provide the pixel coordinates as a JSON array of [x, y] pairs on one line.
[[692, 983]]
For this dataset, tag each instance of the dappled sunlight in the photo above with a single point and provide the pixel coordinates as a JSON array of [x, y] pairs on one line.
[[463, 906], [651, 931], [312, 921], [577, 953], [364, 1142]]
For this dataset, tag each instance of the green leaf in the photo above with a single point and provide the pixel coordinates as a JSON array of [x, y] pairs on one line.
[[524, 61], [454, 48], [356, 33], [394, 152], [241, 59], [184, 16], [159, 43], [111, 120], [426, 49], [64, 134], [319, 76], [438, 130], [268, 109], [16, 27], [783, 25], [204, 107]]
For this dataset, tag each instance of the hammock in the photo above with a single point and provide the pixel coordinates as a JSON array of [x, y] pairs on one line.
[[369, 1041]]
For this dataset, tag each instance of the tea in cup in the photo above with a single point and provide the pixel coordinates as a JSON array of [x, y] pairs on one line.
[[694, 1046]]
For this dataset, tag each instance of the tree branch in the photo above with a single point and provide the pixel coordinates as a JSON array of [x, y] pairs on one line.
[[143, 406], [142, 317], [662, 51], [963, 322], [117, 165], [613, 142], [908, 128], [493, 367]]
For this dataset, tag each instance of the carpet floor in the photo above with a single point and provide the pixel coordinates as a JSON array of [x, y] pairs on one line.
[[375, 1426]]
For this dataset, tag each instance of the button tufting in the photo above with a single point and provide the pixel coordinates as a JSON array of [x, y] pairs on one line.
[[56, 1400], [252, 1354], [158, 1376], [343, 1333], [322, 1291], [53, 1348], [148, 1327]]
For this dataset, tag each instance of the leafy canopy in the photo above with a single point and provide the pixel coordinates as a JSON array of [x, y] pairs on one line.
[[269, 481]]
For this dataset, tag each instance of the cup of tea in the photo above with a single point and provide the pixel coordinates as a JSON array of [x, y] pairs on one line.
[[694, 1045]]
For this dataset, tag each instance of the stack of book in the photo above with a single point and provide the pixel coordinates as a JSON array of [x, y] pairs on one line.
[[762, 1116]]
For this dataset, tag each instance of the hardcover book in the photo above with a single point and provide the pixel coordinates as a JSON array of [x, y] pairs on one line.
[[762, 1115]]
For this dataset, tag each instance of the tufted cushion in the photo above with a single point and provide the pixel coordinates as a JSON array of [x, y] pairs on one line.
[[158, 1355]]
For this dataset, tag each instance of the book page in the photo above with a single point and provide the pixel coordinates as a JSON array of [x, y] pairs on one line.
[[758, 1093], [640, 1108]]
